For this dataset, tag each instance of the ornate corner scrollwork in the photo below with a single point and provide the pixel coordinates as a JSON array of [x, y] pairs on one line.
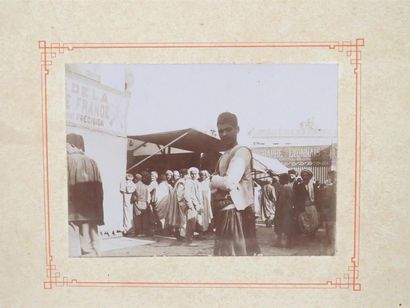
[[49, 52], [351, 49], [55, 278], [347, 280]]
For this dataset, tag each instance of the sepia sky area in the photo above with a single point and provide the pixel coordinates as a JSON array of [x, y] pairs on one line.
[[170, 97]]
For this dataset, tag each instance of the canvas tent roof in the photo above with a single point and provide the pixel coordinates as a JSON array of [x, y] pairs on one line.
[[195, 141], [187, 139], [263, 163]]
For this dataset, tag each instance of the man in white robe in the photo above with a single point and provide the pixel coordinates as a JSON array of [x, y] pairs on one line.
[[127, 188], [194, 207], [164, 195]]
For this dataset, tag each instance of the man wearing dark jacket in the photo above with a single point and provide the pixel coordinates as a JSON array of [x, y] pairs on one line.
[[85, 199]]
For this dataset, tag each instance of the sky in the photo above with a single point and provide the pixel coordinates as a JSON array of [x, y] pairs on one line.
[[170, 97], [176, 96]]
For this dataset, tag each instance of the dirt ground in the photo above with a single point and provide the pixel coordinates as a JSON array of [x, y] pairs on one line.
[[168, 246]]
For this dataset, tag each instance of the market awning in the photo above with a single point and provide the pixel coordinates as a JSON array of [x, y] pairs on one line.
[[195, 141], [186, 139], [263, 163]]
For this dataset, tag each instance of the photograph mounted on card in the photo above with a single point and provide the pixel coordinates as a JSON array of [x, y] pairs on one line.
[[201, 159]]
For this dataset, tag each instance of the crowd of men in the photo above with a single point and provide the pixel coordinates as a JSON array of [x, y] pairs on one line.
[[295, 205], [175, 203], [225, 204], [179, 203], [228, 202]]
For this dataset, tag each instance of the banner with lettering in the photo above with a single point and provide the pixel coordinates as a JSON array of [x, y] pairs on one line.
[[293, 156], [92, 105]]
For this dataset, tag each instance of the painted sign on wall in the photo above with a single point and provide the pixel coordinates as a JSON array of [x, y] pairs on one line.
[[297, 153], [92, 105]]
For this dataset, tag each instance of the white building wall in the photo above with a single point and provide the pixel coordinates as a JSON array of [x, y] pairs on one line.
[[106, 144], [109, 152]]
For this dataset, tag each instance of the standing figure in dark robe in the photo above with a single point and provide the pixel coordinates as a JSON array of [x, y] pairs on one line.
[[233, 197], [268, 200], [141, 211], [148, 213], [85, 199], [153, 204], [329, 210], [284, 223], [305, 199]]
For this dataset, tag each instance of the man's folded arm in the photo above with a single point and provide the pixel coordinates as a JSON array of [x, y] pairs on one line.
[[234, 173]]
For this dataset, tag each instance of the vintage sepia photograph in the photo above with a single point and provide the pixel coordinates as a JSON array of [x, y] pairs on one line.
[[201, 159]]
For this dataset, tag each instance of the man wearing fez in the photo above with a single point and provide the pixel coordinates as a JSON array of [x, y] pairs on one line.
[[233, 194], [85, 199]]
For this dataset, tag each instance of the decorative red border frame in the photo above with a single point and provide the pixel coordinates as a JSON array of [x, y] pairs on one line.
[[50, 51]]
